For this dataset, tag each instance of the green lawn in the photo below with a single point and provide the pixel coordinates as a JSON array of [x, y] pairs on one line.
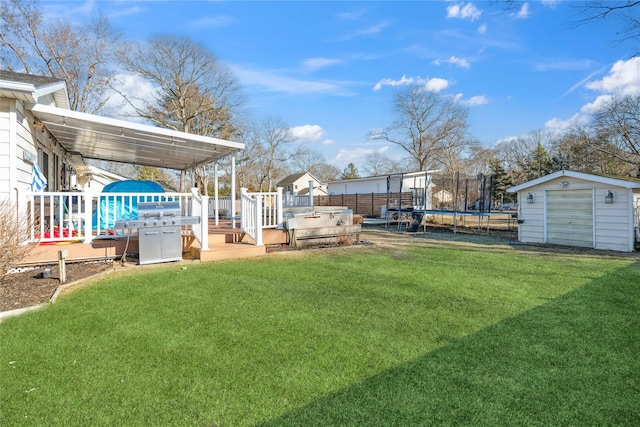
[[363, 337]]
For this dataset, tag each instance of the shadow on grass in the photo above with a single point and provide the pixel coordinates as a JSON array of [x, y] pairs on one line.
[[573, 361]]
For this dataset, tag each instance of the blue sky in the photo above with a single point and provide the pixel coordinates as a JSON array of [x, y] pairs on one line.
[[329, 69]]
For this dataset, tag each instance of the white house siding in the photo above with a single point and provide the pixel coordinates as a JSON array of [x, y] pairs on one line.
[[378, 184], [15, 139], [5, 146], [25, 143], [358, 186]]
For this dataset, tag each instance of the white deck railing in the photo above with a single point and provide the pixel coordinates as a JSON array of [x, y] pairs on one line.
[[224, 206], [296, 200], [200, 207], [260, 211], [84, 216]]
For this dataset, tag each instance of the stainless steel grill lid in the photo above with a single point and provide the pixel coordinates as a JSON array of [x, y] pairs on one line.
[[158, 209]]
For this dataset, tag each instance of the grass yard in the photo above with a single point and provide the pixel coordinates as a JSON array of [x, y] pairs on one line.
[[363, 337]]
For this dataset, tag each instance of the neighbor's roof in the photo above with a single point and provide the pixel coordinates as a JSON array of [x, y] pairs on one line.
[[30, 88], [381, 177], [293, 178], [617, 182]]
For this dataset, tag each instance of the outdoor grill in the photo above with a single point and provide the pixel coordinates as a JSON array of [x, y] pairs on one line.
[[159, 226]]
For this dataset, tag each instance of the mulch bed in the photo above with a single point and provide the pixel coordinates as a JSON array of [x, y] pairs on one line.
[[27, 288]]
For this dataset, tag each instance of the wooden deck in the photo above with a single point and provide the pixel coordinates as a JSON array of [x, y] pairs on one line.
[[225, 242]]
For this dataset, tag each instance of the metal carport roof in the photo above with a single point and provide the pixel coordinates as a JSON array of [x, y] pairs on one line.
[[103, 138]]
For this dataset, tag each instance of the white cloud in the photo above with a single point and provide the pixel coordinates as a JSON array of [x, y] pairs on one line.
[[482, 29], [623, 79], [213, 21], [464, 11], [596, 105], [550, 3], [328, 141], [275, 81], [436, 84], [346, 156], [560, 125], [471, 102], [136, 88], [454, 60], [565, 64], [523, 13], [477, 100], [372, 30], [313, 64], [404, 81], [307, 133]]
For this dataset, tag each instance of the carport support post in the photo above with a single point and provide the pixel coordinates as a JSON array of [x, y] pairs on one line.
[[279, 206], [87, 199], [233, 192], [216, 205]]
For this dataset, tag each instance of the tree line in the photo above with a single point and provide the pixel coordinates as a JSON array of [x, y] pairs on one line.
[[177, 83]]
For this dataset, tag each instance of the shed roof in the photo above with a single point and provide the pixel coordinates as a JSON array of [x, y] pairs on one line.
[[617, 182]]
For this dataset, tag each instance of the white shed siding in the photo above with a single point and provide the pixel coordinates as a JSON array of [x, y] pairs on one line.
[[612, 229], [532, 229], [613, 224]]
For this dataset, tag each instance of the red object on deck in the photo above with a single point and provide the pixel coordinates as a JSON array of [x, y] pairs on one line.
[[58, 233]]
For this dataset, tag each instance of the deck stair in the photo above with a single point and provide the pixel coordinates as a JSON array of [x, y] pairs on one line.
[[226, 242]]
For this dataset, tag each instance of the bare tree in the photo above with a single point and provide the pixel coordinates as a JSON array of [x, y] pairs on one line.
[[428, 126], [621, 15], [377, 164], [307, 160], [514, 154], [194, 92], [626, 13], [85, 57], [268, 149], [618, 122]]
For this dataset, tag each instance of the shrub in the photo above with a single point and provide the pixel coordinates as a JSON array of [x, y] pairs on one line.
[[14, 235]]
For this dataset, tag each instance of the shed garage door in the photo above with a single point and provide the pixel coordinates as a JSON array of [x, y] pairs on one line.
[[570, 217]]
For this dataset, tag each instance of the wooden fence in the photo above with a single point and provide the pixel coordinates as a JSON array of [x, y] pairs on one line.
[[368, 204]]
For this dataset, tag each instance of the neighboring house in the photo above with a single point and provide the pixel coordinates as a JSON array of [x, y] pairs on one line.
[[298, 183], [443, 197], [93, 178], [579, 209], [41, 136], [419, 184]]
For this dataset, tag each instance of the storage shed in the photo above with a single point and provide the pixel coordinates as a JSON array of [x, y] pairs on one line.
[[579, 209]]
